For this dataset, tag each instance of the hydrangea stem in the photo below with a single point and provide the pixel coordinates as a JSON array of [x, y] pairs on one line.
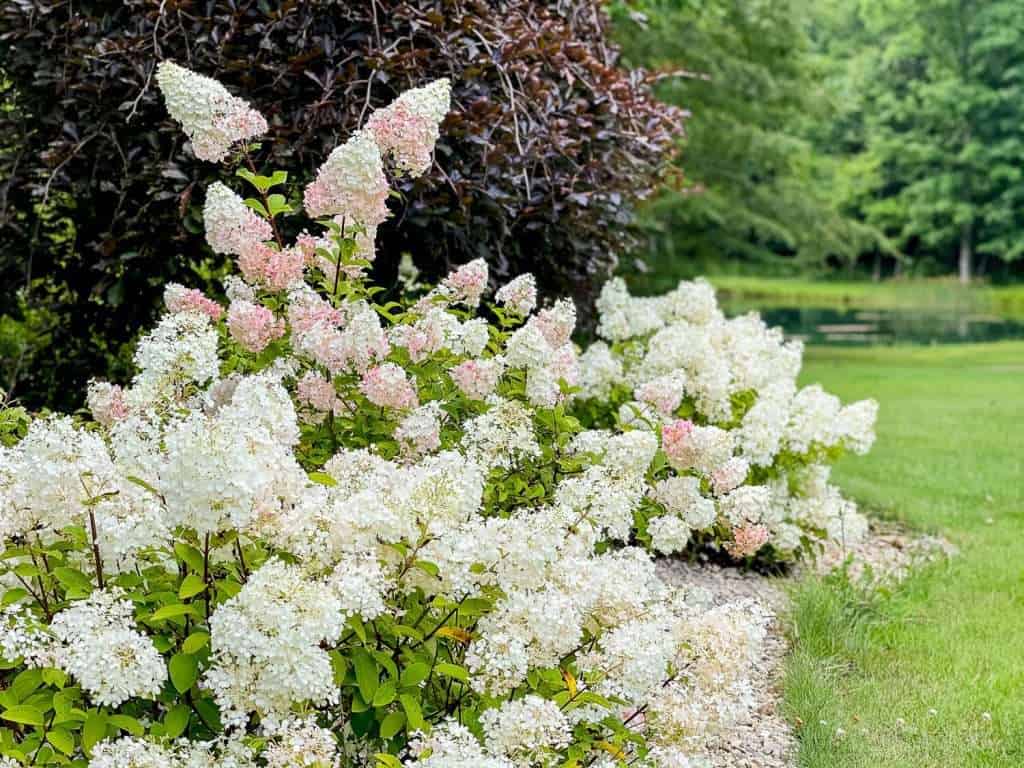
[[96, 550]]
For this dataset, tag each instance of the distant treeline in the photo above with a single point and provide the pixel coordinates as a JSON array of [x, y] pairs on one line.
[[880, 136]]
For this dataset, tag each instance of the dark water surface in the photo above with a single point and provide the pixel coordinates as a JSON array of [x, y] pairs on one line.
[[897, 326]]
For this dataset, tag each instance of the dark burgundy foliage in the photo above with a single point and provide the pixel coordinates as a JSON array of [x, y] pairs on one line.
[[548, 146]]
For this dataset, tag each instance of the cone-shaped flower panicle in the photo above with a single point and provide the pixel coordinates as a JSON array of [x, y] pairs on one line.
[[408, 128], [231, 226], [351, 184], [213, 119]]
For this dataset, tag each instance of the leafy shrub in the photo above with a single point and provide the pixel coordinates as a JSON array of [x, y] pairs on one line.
[[745, 453], [326, 528], [548, 143], [323, 529]]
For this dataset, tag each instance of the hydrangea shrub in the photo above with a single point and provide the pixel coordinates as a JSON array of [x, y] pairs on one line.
[[745, 453], [320, 530]]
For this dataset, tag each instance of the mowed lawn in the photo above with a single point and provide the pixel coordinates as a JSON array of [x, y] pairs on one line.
[[931, 674]]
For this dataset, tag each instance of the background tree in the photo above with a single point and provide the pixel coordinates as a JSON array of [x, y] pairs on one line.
[[758, 191], [931, 135], [548, 145]]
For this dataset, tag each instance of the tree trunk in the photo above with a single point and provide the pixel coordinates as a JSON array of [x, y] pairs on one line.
[[876, 271], [982, 267], [965, 254]]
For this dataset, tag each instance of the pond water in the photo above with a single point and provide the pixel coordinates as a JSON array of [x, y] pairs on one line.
[[862, 326]]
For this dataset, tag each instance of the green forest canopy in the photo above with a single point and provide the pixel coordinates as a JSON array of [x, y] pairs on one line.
[[880, 133]]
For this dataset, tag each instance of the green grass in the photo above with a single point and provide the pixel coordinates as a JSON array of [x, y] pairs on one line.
[[889, 294], [949, 458]]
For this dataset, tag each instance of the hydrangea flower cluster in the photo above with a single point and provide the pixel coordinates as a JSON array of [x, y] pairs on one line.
[[722, 396], [213, 119], [315, 532]]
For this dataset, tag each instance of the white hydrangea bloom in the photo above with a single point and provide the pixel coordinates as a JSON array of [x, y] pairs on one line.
[[23, 637], [528, 348], [856, 425], [528, 629], [225, 471], [302, 744], [180, 352], [519, 294], [451, 745], [212, 118], [129, 752], [681, 496], [669, 534], [501, 437], [599, 371], [632, 659], [761, 431], [623, 316], [812, 419], [692, 302], [604, 498], [360, 585], [266, 643], [529, 730], [48, 480], [104, 651], [747, 504]]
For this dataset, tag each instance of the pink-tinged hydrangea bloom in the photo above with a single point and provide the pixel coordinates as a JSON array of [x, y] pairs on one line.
[[674, 439], [386, 385], [308, 244], [729, 475], [351, 184], [544, 383], [704, 449], [253, 326], [270, 267], [477, 379], [106, 402], [557, 323], [318, 393], [565, 365], [665, 393], [747, 539], [409, 127], [422, 340], [178, 298], [231, 226], [468, 283], [362, 343], [212, 118], [435, 331], [519, 295], [307, 310], [324, 344]]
